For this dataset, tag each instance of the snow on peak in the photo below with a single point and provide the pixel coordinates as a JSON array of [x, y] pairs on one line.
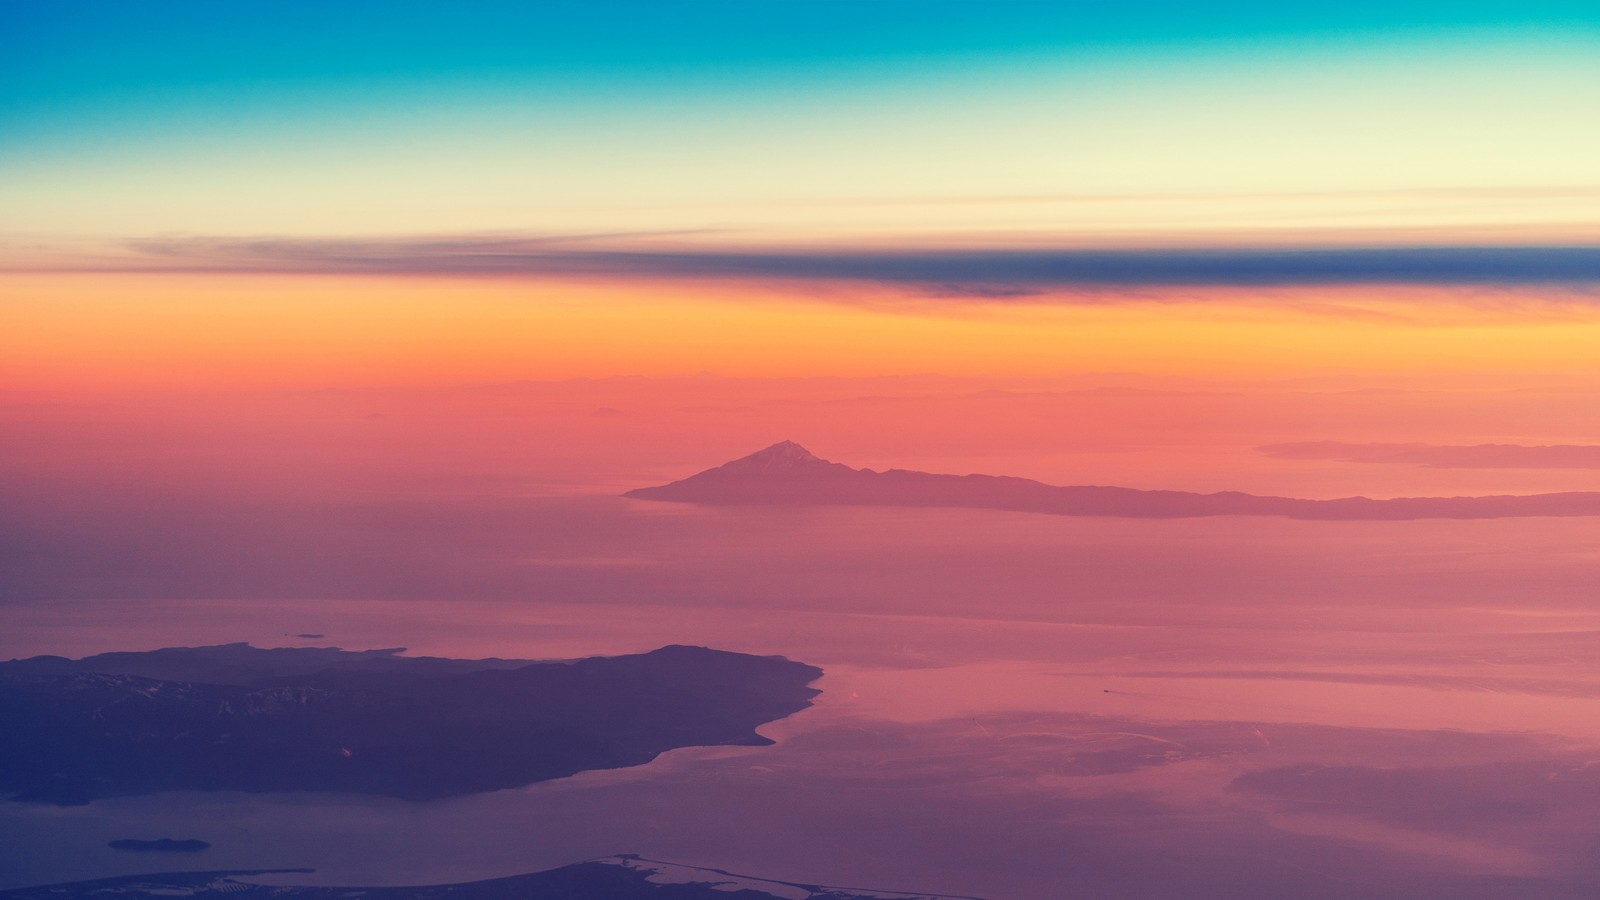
[[782, 455]]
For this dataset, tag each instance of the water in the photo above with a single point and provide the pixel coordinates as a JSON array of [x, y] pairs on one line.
[[1015, 706]]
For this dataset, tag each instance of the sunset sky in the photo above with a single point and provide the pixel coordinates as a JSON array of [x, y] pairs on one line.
[[377, 194]]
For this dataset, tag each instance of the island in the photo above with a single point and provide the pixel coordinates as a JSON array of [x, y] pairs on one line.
[[159, 845], [787, 474], [236, 717], [624, 877]]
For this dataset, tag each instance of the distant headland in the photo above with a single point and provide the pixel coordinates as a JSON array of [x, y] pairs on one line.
[[786, 474], [160, 845]]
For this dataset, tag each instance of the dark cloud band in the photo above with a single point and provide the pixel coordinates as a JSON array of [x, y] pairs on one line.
[[976, 273]]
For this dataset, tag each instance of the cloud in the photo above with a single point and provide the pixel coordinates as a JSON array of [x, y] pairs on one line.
[[981, 273], [1436, 456]]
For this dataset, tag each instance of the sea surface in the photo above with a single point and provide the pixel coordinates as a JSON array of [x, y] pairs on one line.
[[1014, 706]]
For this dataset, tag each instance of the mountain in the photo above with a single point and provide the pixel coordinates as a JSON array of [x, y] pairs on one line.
[[787, 474], [77, 730], [611, 878]]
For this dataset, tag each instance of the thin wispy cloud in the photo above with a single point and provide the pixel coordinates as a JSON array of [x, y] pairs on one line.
[[995, 274], [1447, 456]]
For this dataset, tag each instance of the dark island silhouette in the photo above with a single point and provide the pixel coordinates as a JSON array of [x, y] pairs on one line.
[[624, 877], [159, 845], [786, 474], [235, 717]]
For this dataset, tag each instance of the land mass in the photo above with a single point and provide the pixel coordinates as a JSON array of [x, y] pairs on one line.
[[235, 717], [787, 474], [160, 845], [612, 878]]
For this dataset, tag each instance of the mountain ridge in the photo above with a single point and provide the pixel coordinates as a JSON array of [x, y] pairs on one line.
[[786, 474]]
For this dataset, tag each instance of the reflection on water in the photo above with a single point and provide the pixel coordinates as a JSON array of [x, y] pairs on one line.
[[1014, 707]]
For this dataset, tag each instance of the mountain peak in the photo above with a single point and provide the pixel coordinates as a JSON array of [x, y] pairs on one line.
[[782, 455], [782, 467]]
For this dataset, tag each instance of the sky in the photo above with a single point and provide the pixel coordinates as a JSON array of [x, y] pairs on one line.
[[788, 120], [270, 195], [315, 194], [286, 197]]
